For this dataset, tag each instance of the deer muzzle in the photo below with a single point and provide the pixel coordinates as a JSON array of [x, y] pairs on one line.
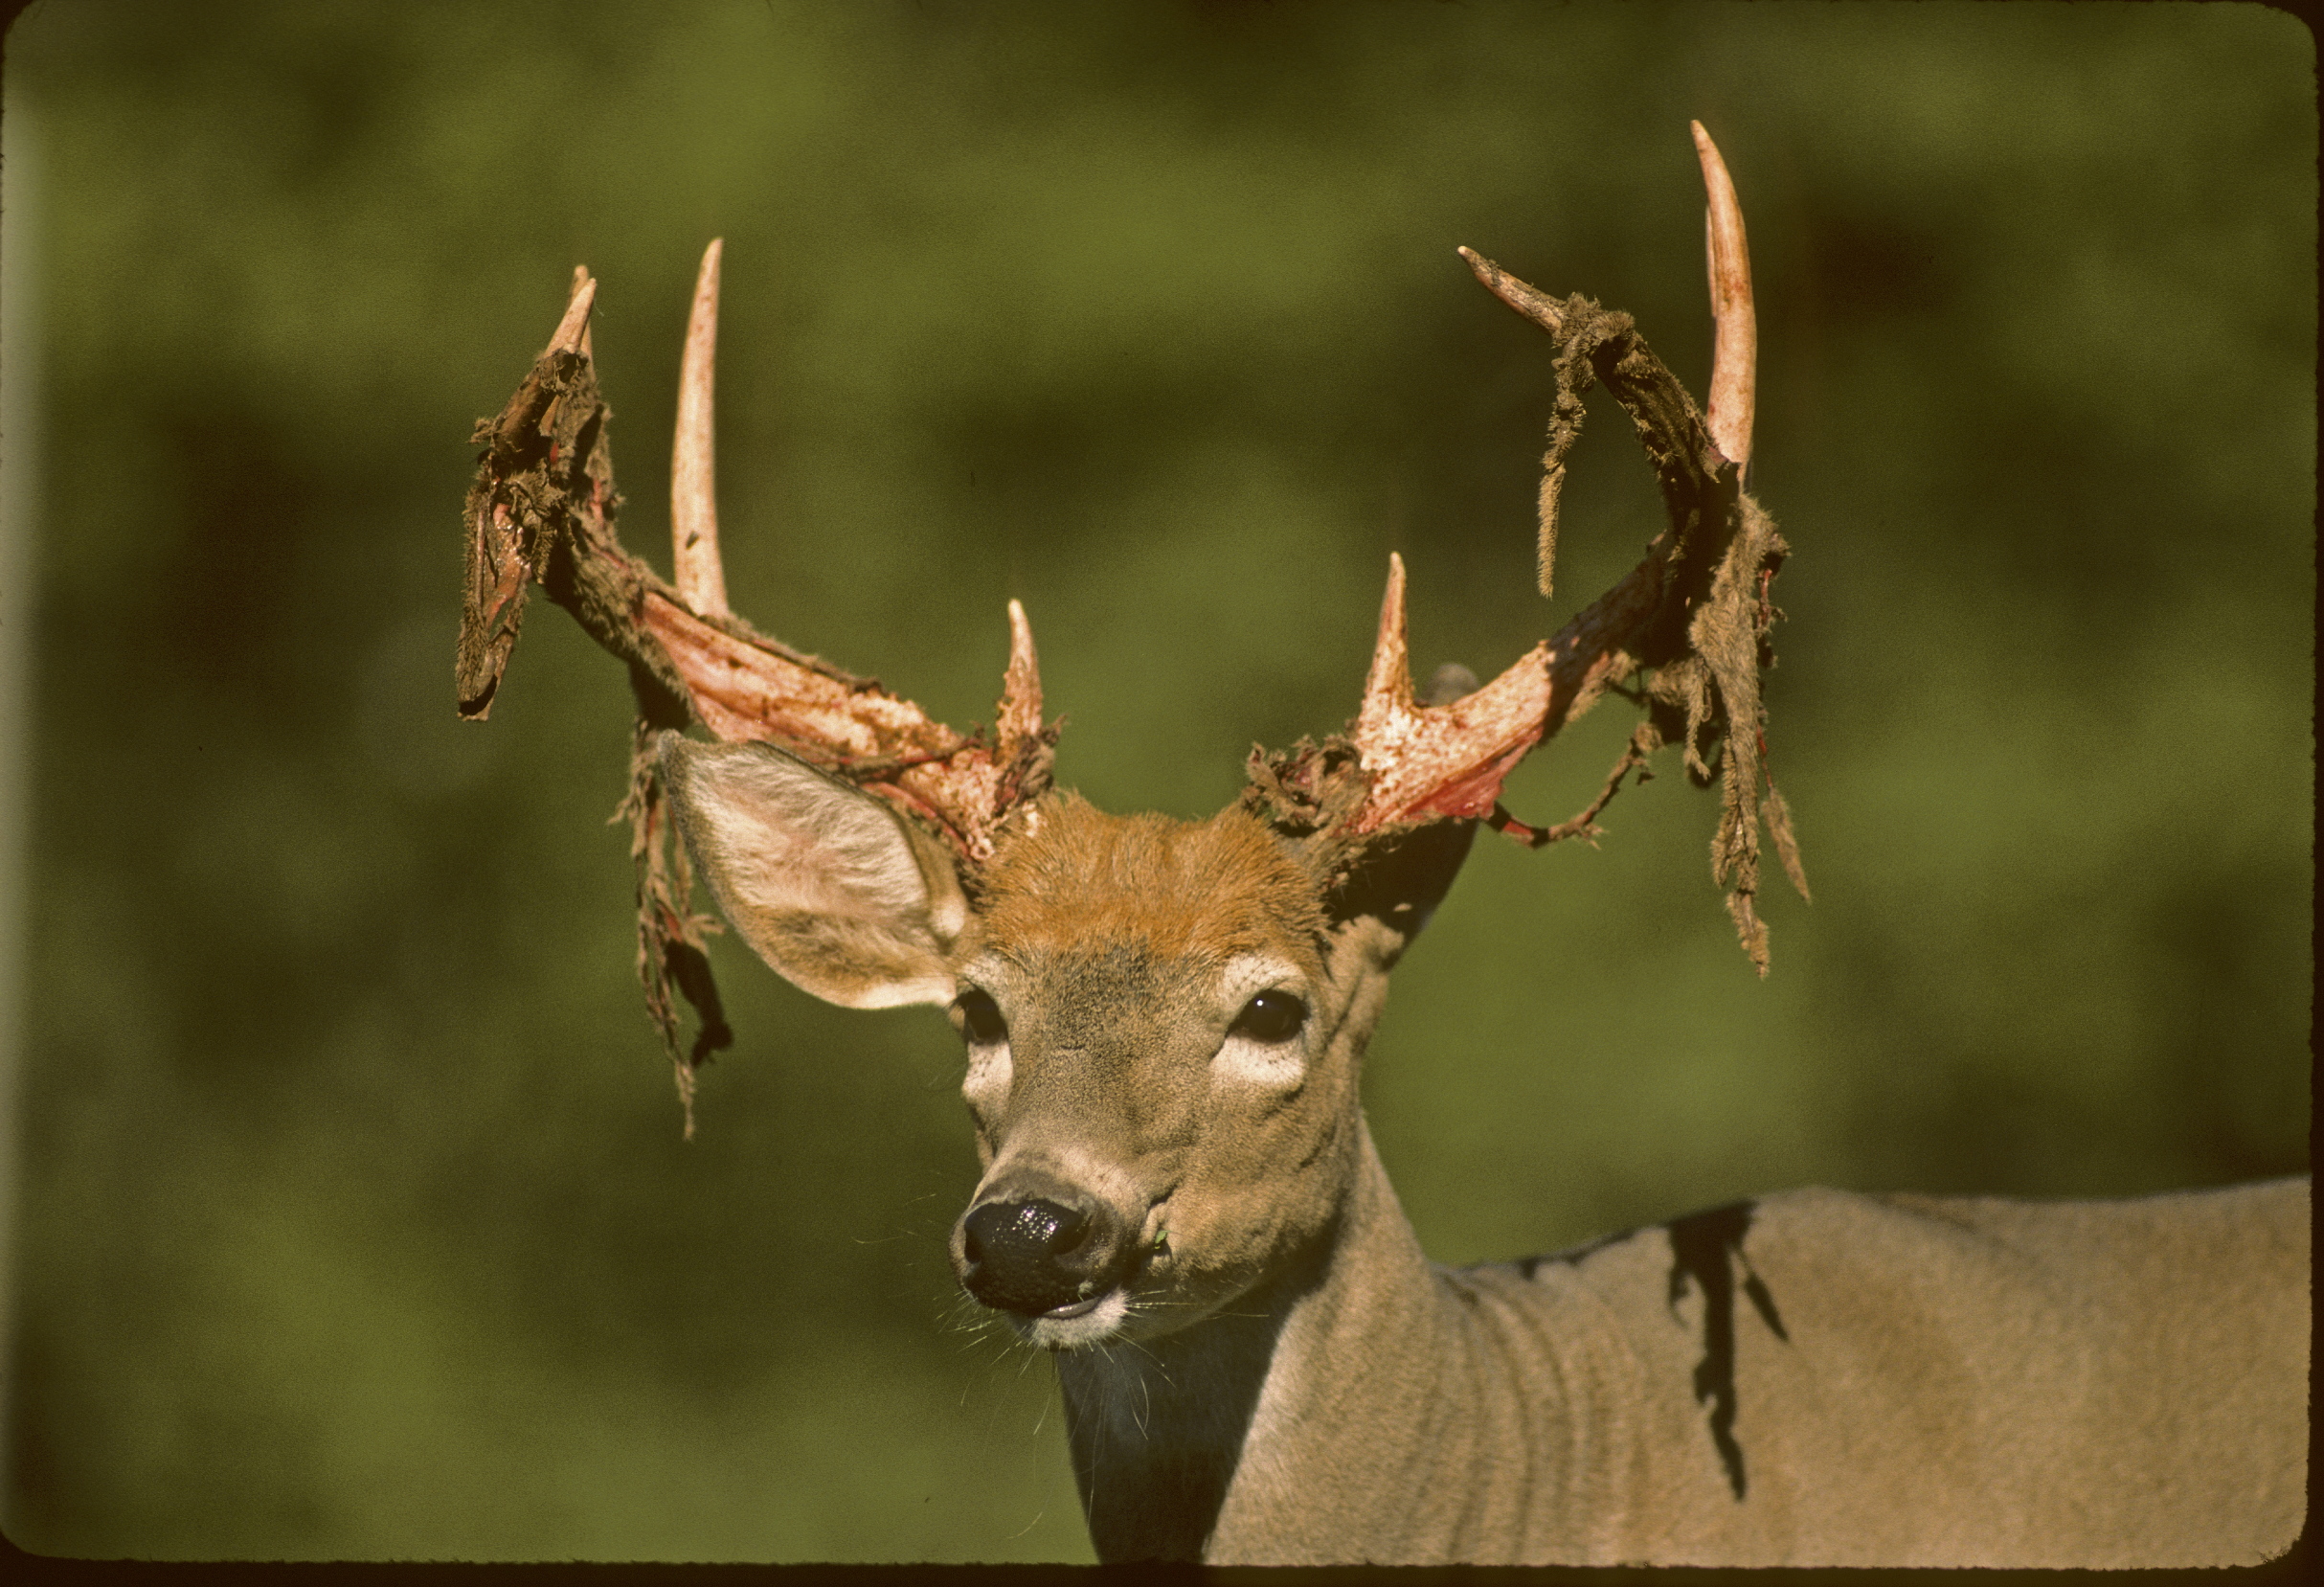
[[1040, 1249]]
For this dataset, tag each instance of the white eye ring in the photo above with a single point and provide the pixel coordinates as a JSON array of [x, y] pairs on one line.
[[990, 1073], [1265, 1044], [976, 1014], [1278, 1066]]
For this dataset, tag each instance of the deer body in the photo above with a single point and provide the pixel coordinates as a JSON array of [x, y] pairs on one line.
[[1164, 1023], [2024, 1392], [1260, 1366]]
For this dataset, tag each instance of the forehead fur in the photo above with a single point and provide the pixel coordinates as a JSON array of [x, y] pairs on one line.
[[1209, 889]]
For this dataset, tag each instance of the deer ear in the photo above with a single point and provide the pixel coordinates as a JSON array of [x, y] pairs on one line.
[[1400, 881], [834, 889]]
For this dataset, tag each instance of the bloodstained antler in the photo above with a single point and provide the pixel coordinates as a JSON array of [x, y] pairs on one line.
[[542, 510], [1693, 616]]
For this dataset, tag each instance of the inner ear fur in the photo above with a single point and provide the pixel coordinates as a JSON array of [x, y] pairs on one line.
[[839, 892]]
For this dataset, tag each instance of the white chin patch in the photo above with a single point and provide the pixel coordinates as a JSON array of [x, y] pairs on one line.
[[1094, 1326]]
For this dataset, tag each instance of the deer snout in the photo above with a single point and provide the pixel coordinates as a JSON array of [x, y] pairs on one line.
[[1040, 1248]]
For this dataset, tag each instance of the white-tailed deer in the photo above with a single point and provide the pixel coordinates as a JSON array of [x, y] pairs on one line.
[[1165, 1020]]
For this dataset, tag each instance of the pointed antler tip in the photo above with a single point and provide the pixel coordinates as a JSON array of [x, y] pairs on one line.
[[694, 498], [1391, 603], [1021, 652], [1392, 607], [1020, 635], [1019, 719], [1734, 359], [574, 328], [1713, 162], [1388, 682], [1708, 151], [706, 284]]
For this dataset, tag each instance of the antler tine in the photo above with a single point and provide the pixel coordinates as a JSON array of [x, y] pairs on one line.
[[1735, 351], [573, 331], [693, 499], [542, 510], [1430, 763], [1018, 721], [1426, 762], [1530, 300], [1388, 685], [544, 498]]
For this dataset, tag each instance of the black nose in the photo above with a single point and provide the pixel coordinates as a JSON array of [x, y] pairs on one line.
[[1033, 1254]]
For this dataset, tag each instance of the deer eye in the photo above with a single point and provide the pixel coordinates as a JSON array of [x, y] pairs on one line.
[[1270, 1017], [978, 1018]]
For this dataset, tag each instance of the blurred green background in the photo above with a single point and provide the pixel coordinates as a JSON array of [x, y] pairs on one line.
[[354, 1218]]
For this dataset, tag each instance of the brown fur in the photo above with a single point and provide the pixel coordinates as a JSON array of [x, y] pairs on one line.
[[1080, 874], [1814, 1378]]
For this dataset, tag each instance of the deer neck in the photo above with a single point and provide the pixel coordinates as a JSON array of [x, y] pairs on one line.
[[1185, 1443]]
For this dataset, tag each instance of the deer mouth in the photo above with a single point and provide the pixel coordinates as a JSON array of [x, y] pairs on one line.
[[1077, 1325], [1107, 1315]]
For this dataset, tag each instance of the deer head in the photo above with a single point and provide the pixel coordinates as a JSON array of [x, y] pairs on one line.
[[1163, 1019]]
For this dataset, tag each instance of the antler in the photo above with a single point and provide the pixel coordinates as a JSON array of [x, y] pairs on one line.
[[542, 510], [1694, 614], [693, 493], [543, 506]]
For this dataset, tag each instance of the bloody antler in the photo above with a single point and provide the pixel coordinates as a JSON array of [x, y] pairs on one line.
[[1693, 614], [543, 505], [542, 510]]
